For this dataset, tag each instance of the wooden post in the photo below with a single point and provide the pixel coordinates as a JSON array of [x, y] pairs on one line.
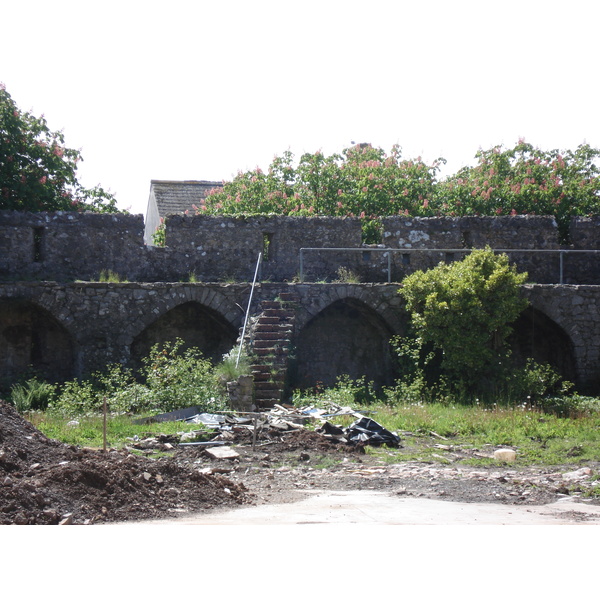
[[104, 425]]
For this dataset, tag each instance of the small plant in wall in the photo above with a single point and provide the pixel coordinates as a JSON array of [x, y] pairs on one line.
[[345, 275], [235, 364], [159, 237], [108, 276]]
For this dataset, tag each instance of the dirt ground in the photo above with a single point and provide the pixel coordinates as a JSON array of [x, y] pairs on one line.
[[43, 481]]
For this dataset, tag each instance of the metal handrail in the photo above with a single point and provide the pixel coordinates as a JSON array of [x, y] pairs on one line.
[[237, 362], [561, 252]]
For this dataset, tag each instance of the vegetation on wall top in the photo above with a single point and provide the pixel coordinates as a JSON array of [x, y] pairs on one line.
[[369, 183]]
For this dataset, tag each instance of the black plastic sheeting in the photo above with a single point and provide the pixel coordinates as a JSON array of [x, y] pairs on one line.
[[363, 431]]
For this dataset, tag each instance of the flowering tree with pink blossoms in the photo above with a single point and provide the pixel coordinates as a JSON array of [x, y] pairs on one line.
[[37, 170], [362, 182], [368, 183], [526, 180]]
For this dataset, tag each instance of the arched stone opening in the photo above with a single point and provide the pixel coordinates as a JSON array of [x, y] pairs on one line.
[[537, 336], [197, 325], [346, 338], [33, 340]]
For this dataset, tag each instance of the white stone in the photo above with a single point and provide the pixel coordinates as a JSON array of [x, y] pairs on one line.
[[505, 454]]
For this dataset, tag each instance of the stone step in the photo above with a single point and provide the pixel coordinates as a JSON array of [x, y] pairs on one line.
[[270, 304], [273, 345], [271, 351], [288, 297], [268, 395], [270, 335], [281, 313], [266, 386], [267, 321], [286, 327]]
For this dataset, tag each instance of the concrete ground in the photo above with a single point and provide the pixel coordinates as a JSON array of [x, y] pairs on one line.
[[378, 508]]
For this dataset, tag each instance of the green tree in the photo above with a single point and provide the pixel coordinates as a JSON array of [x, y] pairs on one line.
[[363, 182], [525, 180], [464, 311], [37, 171]]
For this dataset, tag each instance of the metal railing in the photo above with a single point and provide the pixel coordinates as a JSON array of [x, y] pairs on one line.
[[561, 252]]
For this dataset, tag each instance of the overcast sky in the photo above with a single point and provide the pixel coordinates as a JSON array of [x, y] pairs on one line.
[[200, 90]]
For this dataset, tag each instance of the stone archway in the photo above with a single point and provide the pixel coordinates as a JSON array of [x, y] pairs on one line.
[[32, 339], [197, 325], [537, 336], [345, 338]]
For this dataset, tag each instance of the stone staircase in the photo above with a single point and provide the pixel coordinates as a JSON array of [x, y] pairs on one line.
[[270, 341]]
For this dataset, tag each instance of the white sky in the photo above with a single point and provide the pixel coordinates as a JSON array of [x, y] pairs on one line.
[[199, 90]]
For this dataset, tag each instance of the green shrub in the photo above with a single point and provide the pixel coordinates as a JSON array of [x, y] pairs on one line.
[[462, 312], [178, 379], [32, 395], [170, 379], [346, 392], [233, 366]]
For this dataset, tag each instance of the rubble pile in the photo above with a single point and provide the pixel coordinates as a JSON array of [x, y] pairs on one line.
[[267, 426], [43, 481]]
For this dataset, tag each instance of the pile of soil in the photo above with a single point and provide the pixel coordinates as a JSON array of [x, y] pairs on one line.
[[43, 481]]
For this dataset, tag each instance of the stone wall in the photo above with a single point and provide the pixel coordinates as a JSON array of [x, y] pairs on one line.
[[76, 328], [228, 247], [73, 246], [66, 246]]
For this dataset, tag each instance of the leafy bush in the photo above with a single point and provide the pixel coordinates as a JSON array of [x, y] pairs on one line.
[[461, 314], [176, 380], [170, 379], [569, 405], [346, 392]]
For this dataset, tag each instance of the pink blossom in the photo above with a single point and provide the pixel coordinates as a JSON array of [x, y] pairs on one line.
[[43, 180], [340, 192]]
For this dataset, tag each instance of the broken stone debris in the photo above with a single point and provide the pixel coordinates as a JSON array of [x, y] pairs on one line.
[[281, 420]]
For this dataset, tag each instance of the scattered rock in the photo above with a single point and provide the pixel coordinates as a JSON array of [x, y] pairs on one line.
[[222, 452], [505, 454]]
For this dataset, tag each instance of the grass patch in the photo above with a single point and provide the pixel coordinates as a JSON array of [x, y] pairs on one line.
[[538, 438], [432, 433], [88, 431]]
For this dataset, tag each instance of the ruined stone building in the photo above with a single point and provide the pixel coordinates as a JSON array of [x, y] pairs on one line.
[[307, 323]]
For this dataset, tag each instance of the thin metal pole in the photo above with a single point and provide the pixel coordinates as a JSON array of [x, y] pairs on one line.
[[561, 266], [237, 362]]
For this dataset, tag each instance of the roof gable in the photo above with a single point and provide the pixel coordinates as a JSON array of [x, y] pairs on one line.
[[176, 197]]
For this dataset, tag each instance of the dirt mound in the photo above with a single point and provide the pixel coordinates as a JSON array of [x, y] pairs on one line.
[[45, 482]]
